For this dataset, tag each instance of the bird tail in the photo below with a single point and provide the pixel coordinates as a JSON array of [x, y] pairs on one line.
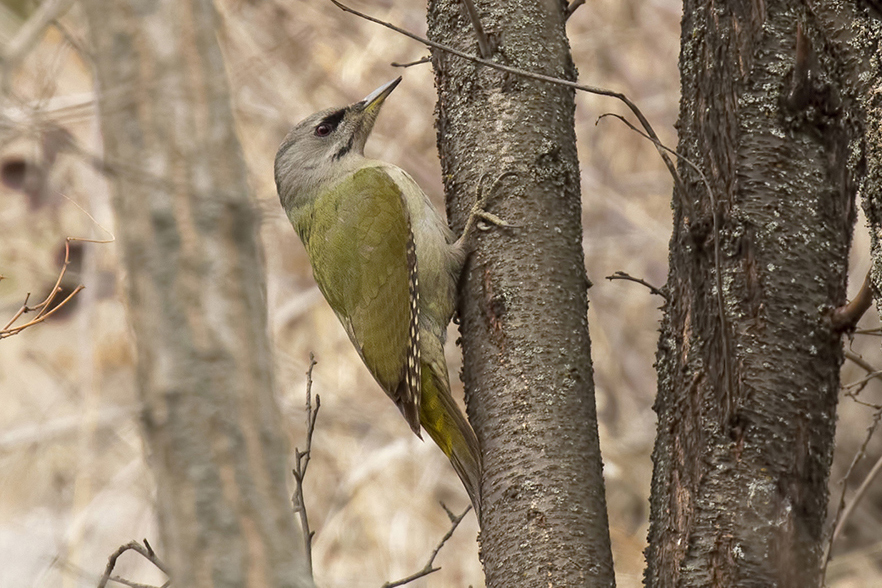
[[447, 426]]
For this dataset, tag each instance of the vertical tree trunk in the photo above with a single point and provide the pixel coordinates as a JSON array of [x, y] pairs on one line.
[[747, 393], [524, 309], [187, 228], [870, 35]]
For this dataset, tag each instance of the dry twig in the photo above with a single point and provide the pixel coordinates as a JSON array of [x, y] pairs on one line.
[[419, 61], [485, 48], [846, 317], [644, 122], [571, 8], [842, 512], [301, 462], [629, 278], [429, 567], [45, 309], [145, 550]]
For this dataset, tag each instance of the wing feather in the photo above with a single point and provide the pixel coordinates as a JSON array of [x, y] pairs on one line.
[[364, 260]]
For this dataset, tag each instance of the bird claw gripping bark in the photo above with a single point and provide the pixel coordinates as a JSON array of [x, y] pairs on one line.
[[478, 212]]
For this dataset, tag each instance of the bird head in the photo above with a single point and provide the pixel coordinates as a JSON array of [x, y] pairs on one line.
[[326, 145]]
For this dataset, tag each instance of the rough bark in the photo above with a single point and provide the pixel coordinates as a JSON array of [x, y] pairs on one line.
[[527, 365], [747, 395], [195, 284], [870, 33]]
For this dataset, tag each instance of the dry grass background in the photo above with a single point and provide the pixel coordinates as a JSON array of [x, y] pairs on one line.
[[74, 480]]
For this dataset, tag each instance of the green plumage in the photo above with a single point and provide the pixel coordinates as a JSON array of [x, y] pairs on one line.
[[384, 260], [357, 239]]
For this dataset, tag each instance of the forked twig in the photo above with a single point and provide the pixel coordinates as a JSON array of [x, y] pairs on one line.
[[146, 552], [301, 462], [644, 122], [45, 309], [843, 511], [630, 278], [721, 303], [429, 568]]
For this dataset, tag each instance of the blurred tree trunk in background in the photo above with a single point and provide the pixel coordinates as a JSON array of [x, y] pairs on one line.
[[748, 360], [527, 363], [187, 228]]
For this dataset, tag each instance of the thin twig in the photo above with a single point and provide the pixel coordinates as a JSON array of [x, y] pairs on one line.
[[429, 567], [484, 46], [572, 8], [876, 332], [301, 462], [624, 276], [419, 61], [853, 389], [148, 554], [45, 309], [721, 303], [129, 583], [828, 549], [846, 317], [861, 491], [536, 76]]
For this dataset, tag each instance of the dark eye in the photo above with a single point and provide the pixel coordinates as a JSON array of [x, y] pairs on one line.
[[323, 130]]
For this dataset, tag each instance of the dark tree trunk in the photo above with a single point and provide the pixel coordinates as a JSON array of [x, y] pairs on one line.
[[526, 348], [749, 375], [187, 229], [870, 33]]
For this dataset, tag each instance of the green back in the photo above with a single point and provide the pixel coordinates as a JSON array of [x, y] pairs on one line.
[[357, 238]]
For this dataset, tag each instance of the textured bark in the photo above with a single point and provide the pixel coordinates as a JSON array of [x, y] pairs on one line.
[[187, 228], [527, 365], [747, 403], [870, 33]]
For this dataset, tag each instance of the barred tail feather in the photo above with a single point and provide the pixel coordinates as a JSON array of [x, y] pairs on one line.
[[449, 429]]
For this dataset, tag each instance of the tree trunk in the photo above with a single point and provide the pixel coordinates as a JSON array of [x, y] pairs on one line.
[[870, 35], [195, 281], [748, 360], [527, 364]]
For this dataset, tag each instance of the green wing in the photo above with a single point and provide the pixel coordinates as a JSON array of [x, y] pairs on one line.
[[362, 251]]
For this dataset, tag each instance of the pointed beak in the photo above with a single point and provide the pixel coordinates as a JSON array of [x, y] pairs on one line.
[[374, 100], [364, 114]]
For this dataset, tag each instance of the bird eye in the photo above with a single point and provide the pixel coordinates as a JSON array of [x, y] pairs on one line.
[[323, 130]]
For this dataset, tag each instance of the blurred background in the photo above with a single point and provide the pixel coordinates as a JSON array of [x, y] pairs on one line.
[[74, 478]]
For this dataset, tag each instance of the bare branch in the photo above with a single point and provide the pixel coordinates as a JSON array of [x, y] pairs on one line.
[[45, 309], [429, 567], [419, 61], [846, 317], [301, 462], [571, 8], [644, 123], [721, 305], [861, 491], [828, 549], [484, 46], [624, 276], [147, 552]]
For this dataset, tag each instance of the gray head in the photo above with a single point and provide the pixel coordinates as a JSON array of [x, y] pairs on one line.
[[324, 146]]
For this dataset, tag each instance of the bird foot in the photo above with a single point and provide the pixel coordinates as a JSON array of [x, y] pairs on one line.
[[478, 212]]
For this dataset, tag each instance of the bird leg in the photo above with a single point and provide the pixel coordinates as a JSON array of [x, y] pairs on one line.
[[477, 213]]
